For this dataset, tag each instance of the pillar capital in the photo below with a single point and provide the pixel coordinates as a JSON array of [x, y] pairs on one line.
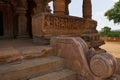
[[20, 10], [22, 3], [40, 6]]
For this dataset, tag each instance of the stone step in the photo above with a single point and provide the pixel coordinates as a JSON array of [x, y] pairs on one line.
[[64, 74], [117, 76], [28, 68], [13, 54]]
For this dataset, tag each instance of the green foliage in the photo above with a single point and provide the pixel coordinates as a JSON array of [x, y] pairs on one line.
[[106, 32], [114, 13], [114, 34], [106, 29]]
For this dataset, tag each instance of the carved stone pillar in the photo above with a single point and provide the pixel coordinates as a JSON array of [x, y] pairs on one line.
[[67, 2], [22, 22], [22, 19], [59, 7], [39, 7], [87, 9]]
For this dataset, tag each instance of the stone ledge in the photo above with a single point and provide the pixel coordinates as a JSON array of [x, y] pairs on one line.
[[11, 54], [29, 68]]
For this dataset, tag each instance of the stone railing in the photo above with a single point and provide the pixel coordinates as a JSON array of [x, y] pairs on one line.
[[45, 24], [83, 60]]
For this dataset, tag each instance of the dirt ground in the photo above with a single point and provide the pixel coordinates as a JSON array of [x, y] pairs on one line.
[[113, 48]]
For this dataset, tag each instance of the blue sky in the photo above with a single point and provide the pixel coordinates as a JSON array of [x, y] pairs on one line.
[[99, 7]]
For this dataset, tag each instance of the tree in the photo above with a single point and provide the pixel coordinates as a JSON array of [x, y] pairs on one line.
[[114, 13], [105, 31]]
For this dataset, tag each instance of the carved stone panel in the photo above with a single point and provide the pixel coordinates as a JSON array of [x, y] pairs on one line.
[[49, 24]]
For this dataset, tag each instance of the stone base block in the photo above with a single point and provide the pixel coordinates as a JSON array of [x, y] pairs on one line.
[[41, 40]]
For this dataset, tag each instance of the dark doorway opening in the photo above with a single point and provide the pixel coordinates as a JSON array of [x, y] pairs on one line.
[[31, 5], [1, 24]]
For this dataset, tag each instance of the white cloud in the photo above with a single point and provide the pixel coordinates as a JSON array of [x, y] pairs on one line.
[[103, 21], [115, 0]]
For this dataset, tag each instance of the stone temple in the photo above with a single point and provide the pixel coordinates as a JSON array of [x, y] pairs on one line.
[[36, 44]]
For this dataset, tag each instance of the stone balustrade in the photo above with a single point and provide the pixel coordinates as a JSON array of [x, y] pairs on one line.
[[45, 24], [87, 64]]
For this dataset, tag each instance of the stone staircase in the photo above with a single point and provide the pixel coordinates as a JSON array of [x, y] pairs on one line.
[[64, 59], [33, 63]]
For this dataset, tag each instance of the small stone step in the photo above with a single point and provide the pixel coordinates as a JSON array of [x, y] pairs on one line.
[[117, 76], [59, 75], [13, 54], [36, 51], [29, 68]]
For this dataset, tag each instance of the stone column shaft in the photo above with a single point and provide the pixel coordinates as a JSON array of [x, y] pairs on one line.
[[67, 2], [21, 8], [87, 9], [59, 7], [22, 22]]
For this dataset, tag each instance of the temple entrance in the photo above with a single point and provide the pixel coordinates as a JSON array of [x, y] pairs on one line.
[[1, 24]]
